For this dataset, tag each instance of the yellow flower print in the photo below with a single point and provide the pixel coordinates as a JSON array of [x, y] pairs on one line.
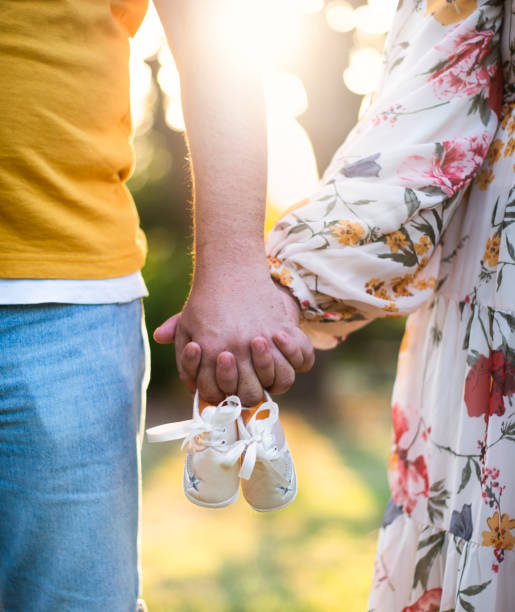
[[375, 287], [348, 233], [448, 12], [273, 262], [284, 277], [383, 294], [484, 178], [421, 265], [510, 148], [491, 256], [494, 152], [396, 240], [425, 283], [423, 245], [506, 112], [400, 285], [390, 308], [511, 127], [499, 535]]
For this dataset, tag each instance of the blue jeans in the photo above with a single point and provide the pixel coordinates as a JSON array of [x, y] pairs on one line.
[[72, 383]]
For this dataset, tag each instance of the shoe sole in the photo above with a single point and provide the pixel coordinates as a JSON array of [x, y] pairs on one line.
[[275, 507], [205, 504], [282, 505]]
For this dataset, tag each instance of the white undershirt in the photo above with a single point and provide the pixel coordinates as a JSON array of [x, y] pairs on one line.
[[69, 291]]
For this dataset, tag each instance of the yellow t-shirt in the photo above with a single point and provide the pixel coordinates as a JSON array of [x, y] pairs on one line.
[[65, 131]]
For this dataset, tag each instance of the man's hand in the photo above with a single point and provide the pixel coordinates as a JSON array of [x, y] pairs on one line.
[[263, 345]]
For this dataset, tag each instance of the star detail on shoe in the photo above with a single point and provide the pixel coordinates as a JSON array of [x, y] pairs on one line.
[[285, 490], [194, 481]]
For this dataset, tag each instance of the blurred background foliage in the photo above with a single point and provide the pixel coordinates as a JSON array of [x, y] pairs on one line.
[[321, 61]]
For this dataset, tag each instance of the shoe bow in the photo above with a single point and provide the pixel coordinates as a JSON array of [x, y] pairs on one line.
[[261, 443], [213, 420]]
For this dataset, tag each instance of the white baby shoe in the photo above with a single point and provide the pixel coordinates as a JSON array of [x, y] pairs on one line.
[[211, 470], [268, 475]]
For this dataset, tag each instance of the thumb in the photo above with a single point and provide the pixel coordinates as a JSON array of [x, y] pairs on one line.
[[165, 333]]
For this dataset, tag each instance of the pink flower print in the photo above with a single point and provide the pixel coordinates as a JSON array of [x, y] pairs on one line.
[[459, 162], [408, 477], [429, 602], [390, 115], [399, 422], [452, 166], [466, 72], [488, 381], [496, 92]]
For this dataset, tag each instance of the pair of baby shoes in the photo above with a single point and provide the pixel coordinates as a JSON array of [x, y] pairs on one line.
[[223, 448]]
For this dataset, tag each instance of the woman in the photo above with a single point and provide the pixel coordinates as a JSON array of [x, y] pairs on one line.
[[417, 213]]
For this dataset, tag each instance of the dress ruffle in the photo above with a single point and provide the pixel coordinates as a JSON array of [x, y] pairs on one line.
[[423, 569]]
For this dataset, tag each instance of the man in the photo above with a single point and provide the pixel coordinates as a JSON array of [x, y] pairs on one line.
[[72, 353]]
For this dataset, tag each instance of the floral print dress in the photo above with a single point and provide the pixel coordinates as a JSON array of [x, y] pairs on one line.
[[416, 215]]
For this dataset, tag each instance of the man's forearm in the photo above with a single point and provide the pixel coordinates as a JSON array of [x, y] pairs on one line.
[[224, 110], [233, 301]]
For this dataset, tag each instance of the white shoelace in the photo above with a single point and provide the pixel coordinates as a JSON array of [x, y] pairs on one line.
[[201, 424], [260, 445]]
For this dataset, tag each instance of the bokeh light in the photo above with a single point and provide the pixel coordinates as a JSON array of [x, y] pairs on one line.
[[364, 72], [311, 6], [375, 17], [146, 44], [370, 22], [383, 11], [170, 83], [272, 33], [340, 16], [142, 94]]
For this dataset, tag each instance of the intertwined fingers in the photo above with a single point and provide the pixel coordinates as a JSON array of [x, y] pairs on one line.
[[271, 367]]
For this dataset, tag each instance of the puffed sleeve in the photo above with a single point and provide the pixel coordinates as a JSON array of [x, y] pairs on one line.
[[366, 244]]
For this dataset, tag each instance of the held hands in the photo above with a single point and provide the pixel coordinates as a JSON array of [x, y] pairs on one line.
[[238, 337]]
